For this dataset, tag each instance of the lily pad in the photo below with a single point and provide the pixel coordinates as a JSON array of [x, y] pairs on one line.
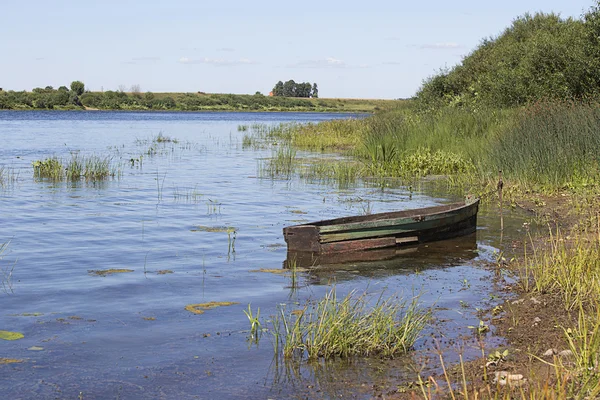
[[201, 307], [9, 360], [35, 348], [7, 335], [104, 272]]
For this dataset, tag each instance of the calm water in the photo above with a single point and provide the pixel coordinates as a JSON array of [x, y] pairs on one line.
[[128, 335]]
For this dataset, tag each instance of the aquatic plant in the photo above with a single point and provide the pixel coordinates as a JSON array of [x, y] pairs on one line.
[[50, 168], [8, 176], [350, 326], [91, 168], [255, 326], [8, 335], [6, 271], [105, 272], [201, 307]]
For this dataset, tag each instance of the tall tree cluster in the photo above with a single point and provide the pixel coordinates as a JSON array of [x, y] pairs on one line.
[[293, 89]]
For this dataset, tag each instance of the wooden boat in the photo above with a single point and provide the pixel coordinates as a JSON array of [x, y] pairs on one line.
[[383, 230]]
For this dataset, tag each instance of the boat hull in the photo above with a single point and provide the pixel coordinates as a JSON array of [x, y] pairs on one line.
[[384, 230]]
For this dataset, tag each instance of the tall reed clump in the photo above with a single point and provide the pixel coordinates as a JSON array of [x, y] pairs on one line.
[[354, 325], [552, 144]]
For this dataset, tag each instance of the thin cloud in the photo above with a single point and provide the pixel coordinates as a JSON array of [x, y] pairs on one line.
[[440, 46], [142, 60], [328, 62], [226, 49], [220, 62]]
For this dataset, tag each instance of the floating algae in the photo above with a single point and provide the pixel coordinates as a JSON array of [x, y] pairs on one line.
[[201, 307], [9, 360], [164, 272], [33, 314], [226, 229], [104, 272], [7, 335]]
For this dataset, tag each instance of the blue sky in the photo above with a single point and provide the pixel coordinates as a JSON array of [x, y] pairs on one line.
[[366, 49]]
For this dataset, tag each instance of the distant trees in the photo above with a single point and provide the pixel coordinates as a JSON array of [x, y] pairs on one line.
[[77, 87], [293, 89]]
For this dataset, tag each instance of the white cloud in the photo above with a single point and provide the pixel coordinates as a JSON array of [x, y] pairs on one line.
[[220, 62]]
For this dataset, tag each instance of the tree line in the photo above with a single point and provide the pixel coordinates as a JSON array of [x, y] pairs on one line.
[[293, 89], [44, 98]]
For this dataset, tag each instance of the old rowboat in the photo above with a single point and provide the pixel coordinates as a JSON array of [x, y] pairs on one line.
[[383, 230]]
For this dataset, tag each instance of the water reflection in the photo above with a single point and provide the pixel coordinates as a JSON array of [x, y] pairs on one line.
[[398, 260], [353, 378]]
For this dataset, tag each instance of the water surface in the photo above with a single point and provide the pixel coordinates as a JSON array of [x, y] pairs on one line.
[[128, 335]]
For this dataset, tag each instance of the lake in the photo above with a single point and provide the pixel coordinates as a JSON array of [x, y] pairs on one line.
[[195, 222]]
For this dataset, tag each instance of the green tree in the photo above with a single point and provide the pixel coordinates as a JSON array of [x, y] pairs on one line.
[[315, 91], [289, 88], [77, 87], [278, 89]]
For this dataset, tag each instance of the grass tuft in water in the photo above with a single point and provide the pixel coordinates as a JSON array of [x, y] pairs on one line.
[[50, 168], [352, 326], [8, 176]]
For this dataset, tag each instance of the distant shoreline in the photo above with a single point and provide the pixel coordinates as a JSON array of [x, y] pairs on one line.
[[55, 100]]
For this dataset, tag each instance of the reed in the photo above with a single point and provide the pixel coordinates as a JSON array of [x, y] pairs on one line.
[[354, 325], [6, 272], [51, 168], [282, 164], [91, 168], [8, 176], [553, 144]]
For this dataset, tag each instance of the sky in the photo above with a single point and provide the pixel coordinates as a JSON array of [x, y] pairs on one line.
[[351, 49]]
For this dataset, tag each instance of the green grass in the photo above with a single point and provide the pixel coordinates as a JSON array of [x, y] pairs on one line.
[[51, 168], [356, 325], [89, 168]]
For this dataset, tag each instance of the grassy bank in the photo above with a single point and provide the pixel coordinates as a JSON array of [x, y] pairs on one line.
[[548, 152]]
